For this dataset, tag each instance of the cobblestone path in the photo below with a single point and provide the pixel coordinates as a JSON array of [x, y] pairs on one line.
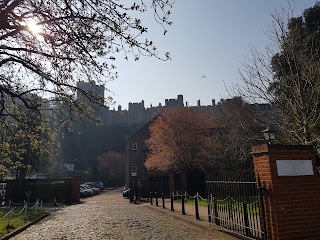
[[109, 216]]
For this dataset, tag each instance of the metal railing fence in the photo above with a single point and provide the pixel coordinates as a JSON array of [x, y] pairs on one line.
[[234, 203]]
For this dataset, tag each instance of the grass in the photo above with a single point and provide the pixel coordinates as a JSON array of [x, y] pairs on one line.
[[191, 201], [235, 207], [19, 221], [251, 209]]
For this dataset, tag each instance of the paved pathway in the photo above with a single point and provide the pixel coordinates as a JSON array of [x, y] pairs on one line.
[[109, 216]]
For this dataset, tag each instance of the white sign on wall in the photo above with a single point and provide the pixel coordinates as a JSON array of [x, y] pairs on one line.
[[294, 168]]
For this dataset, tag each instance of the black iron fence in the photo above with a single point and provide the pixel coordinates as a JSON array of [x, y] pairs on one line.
[[159, 185], [235, 203]]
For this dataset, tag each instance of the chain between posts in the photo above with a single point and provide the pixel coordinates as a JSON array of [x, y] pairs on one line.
[[183, 198]]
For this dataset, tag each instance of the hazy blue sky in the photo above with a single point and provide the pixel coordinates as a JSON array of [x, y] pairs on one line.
[[208, 37]]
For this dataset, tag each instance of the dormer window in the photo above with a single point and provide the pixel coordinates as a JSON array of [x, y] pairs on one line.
[[134, 147]]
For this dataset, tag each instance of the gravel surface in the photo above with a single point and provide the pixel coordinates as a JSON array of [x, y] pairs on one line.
[[109, 216]]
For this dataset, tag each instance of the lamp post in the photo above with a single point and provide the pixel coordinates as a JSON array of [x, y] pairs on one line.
[[269, 134]]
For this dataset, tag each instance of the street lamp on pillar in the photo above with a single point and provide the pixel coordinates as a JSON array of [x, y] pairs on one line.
[[269, 134]]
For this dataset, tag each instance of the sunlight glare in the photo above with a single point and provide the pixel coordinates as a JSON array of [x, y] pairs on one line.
[[33, 27]]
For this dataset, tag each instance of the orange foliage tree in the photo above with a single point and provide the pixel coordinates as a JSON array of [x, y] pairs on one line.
[[179, 140]]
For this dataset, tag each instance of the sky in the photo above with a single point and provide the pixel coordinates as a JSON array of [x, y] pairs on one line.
[[208, 38]]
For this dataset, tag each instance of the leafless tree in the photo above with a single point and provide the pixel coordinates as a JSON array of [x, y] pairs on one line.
[[46, 47], [236, 131], [287, 75]]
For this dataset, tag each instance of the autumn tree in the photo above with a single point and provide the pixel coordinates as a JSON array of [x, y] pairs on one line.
[[179, 140], [46, 47], [288, 75], [111, 168]]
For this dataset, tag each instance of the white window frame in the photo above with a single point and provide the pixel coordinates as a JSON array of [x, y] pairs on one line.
[[134, 147]]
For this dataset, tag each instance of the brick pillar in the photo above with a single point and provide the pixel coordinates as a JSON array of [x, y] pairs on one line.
[[292, 198], [72, 190], [76, 189]]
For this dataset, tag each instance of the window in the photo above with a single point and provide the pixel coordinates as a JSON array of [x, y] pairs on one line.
[[134, 172], [134, 147]]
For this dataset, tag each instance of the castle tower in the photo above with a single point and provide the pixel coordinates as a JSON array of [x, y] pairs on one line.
[[174, 102]]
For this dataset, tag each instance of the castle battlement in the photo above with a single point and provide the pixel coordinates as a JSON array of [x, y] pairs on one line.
[[138, 115]]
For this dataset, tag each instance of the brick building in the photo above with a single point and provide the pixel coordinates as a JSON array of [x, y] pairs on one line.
[[136, 173]]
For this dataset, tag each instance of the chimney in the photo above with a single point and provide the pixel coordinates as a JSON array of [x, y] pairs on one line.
[[198, 103]]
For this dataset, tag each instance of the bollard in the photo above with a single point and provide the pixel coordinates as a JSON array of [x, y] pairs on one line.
[[209, 209], [9, 219], [156, 195], [151, 198], [196, 207], [172, 209], [183, 209], [36, 205], [25, 210], [163, 204]]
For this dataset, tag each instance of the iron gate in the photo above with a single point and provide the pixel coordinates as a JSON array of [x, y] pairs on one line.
[[235, 202]]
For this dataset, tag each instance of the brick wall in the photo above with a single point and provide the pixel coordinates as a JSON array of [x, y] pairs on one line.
[[292, 203], [137, 157]]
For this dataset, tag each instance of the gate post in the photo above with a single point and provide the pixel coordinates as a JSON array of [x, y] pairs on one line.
[[163, 202], [209, 208], [292, 190], [196, 207], [156, 196], [262, 209], [172, 209], [182, 205]]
